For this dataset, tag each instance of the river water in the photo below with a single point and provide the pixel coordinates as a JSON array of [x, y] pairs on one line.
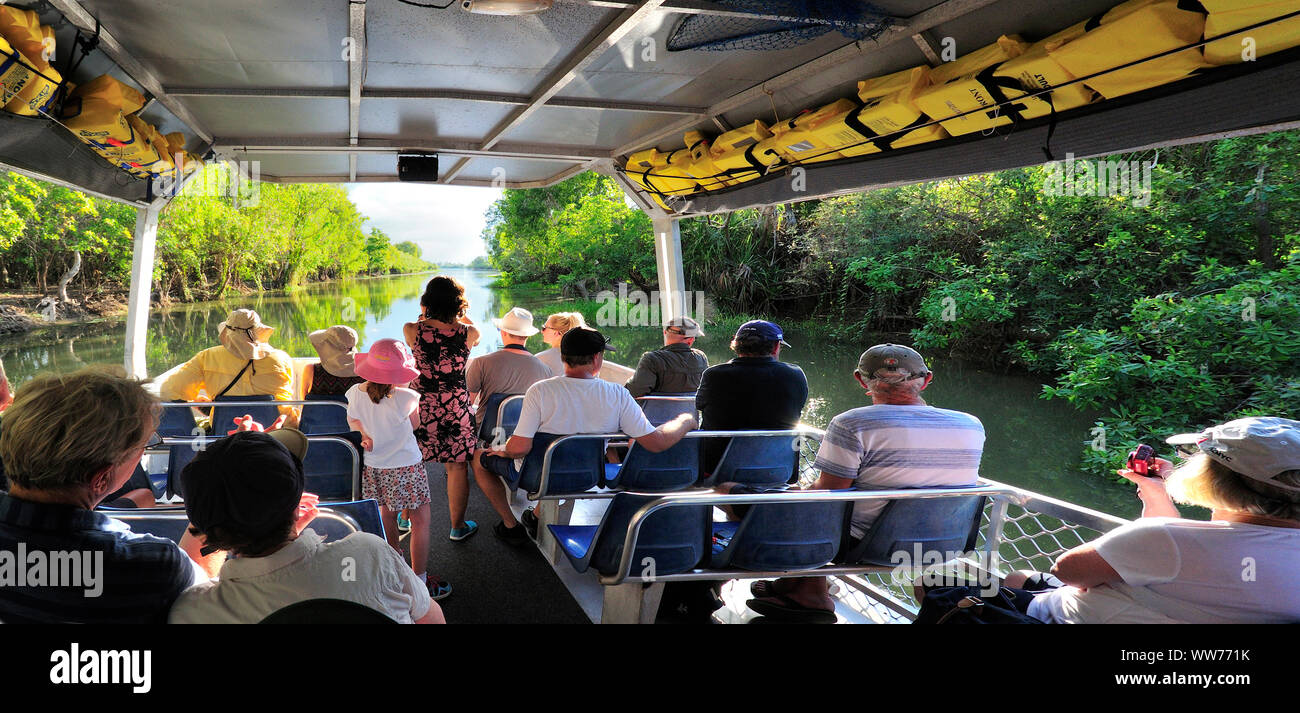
[[1031, 442]]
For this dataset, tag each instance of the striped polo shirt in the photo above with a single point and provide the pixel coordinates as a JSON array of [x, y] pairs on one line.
[[887, 446], [64, 564]]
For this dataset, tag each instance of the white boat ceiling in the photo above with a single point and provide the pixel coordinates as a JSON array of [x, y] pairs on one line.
[[536, 99]]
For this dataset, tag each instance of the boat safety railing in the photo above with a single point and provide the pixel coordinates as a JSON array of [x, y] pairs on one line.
[[799, 441], [714, 499]]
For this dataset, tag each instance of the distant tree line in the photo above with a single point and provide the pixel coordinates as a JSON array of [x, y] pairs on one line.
[[53, 237]]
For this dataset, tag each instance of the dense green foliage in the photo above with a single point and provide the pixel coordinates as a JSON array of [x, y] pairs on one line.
[[1160, 316], [206, 246], [579, 234]]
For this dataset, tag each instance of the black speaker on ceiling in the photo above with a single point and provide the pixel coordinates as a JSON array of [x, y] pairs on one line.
[[422, 168]]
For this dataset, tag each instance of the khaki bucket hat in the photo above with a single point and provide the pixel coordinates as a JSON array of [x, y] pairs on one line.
[[244, 335], [337, 347]]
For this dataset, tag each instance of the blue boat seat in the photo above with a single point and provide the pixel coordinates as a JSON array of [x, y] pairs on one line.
[[177, 422], [179, 455], [677, 468], [334, 522], [673, 538], [780, 537], [223, 417], [329, 471], [943, 525], [661, 411], [577, 465], [757, 460], [324, 420], [492, 412]]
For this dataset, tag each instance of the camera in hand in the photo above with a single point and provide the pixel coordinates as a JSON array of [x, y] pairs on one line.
[[1142, 460]]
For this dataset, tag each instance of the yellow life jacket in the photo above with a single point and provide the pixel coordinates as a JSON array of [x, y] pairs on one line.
[[1035, 69], [1130, 32], [15, 74], [1228, 15], [31, 42], [662, 174], [701, 166], [101, 113], [968, 96], [176, 147], [736, 153], [816, 136], [889, 109]]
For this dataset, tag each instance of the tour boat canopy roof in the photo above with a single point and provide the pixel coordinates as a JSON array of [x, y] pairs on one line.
[[528, 101]]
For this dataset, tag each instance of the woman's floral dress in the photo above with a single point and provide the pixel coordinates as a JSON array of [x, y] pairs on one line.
[[446, 433]]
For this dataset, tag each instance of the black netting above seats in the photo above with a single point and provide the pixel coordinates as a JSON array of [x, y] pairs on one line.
[[778, 24]]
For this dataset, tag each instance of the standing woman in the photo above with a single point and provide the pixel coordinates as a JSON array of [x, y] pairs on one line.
[[441, 341]]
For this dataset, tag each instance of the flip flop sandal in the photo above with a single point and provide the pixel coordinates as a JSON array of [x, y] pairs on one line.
[[763, 588], [782, 608]]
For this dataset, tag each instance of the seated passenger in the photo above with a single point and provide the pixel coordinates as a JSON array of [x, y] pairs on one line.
[[244, 495], [509, 370], [336, 372], [552, 331], [752, 392], [244, 365], [674, 369], [898, 441], [1241, 567], [68, 442], [576, 402]]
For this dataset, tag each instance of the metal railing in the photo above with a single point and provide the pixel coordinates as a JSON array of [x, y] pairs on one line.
[[714, 499], [799, 438]]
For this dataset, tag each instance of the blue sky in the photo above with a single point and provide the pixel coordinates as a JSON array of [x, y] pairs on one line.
[[445, 221]]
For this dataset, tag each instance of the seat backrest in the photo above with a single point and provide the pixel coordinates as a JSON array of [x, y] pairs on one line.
[[785, 536], [661, 411], [329, 470], [508, 413], [324, 420], [177, 422], [179, 455], [758, 460], [167, 523], [223, 417], [314, 612], [489, 410], [671, 540], [338, 520], [677, 468], [939, 525], [576, 465]]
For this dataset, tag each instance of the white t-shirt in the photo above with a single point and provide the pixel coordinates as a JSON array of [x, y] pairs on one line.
[[1187, 571], [252, 588], [388, 423], [565, 405]]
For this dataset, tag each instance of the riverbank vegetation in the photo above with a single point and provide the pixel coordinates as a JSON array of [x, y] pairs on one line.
[[53, 239], [1162, 311]]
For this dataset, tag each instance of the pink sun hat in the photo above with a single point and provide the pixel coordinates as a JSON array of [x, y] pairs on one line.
[[389, 362]]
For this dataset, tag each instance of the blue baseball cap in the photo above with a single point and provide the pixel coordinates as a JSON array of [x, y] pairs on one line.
[[762, 329]]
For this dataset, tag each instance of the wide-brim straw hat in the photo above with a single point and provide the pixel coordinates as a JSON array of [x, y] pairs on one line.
[[244, 335], [337, 347], [518, 321]]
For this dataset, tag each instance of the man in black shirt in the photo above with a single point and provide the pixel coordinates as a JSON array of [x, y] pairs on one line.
[[754, 391]]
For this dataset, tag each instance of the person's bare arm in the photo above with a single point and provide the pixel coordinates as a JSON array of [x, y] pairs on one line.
[[1084, 567], [367, 443], [306, 380], [1151, 491], [473, 335], [210, 564], [667, 435], [516, 447], [826, 481], [433, 616], [409, 331]]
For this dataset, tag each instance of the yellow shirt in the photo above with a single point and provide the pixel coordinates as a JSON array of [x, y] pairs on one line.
[[212, 369]]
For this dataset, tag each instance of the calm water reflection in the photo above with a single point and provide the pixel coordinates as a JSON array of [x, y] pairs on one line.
[[1031, 442]]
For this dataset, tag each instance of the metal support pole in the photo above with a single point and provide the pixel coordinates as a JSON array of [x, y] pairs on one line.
[[668, 254], [142, 258]]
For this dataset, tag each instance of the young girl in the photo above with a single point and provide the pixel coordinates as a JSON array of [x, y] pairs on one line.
[[386, 415]]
